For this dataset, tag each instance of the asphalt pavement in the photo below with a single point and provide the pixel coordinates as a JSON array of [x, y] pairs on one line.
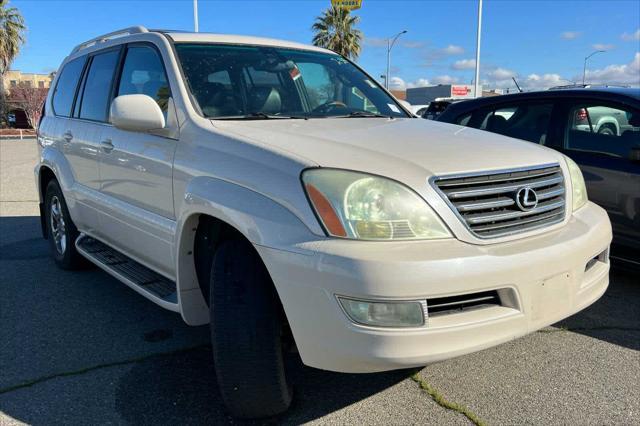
[[81, 348]]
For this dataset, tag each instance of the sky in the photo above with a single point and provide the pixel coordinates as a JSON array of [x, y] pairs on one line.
[[541, 43]]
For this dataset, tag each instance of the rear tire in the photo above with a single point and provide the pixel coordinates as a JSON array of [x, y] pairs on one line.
[[247, 333], [61, 232]]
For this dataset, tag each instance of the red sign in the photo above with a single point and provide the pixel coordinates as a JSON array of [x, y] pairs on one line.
[[460, 90]]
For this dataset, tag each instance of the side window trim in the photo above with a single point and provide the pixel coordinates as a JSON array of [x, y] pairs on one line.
[[120, 67], [77, 101], [123, 58], [81, 87], [76, 90]]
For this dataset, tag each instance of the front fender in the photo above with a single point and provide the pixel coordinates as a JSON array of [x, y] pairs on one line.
[[260, 219]]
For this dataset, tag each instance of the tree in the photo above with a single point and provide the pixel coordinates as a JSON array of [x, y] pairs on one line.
[[11, 39], [335, 30], [29, 99]]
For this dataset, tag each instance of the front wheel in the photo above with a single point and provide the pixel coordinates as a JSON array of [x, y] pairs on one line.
[[247, 329]]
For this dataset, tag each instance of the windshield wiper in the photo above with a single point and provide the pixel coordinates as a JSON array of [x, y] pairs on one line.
[[260, 116], [363, 114]]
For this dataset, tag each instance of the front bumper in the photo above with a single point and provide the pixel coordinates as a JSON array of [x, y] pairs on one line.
[[546, 277]]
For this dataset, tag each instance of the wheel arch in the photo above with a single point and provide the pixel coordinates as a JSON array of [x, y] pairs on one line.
[[609, 121], [238, 211]]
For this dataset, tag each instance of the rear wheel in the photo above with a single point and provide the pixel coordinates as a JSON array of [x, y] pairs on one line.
[[247, 333], [61, 232]]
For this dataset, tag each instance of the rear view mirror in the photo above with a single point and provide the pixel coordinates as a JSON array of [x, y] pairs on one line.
[[634, 155], [136, 113]]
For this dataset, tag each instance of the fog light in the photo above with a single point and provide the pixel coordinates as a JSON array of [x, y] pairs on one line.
[[383, 314]]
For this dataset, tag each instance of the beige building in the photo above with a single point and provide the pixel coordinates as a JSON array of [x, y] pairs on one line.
[[13, 77]]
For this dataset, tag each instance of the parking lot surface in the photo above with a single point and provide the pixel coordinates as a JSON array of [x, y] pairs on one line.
[[81, 348]]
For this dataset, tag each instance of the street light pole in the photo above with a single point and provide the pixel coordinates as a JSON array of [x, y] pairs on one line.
[[477, 79], [390, 44], [584, 70], [195, 15]]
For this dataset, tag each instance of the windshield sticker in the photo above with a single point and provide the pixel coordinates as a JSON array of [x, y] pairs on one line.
[[393, 108], [370, 83]]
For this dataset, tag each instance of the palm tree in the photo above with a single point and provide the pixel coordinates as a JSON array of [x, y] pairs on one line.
[[11, 34], [11, 39], [335, 30]]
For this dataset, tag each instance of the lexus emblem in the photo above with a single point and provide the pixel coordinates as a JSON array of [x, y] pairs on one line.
[[526, 199]]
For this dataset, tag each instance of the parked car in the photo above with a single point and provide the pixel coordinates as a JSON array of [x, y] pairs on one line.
[[599, 128], [419, 109], [277, 192], [435, 108]]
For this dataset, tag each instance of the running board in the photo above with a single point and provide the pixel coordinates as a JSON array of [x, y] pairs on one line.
[[148, 283]]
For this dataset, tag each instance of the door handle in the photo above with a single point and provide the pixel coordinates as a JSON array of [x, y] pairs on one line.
[[67, 136], [106, 145]]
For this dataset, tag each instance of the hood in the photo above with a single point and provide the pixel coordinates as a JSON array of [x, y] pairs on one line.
[[397, 148]]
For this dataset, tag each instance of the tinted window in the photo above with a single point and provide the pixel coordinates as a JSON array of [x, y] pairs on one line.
[[66, 87], [604, 129], [97, 86], [143, 73], [464, 120], [233, 81], [527, 121]]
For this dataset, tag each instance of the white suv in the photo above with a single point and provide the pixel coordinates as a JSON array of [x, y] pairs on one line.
[[279, 193]]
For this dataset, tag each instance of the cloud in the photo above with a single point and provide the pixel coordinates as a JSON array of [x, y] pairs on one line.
[[625, 74], [502, 74], [410, 44], [421, 82], [382, 42], [464, 64], [603, 46], [398, 83], [432, 55], [452, 50], [445, 79], [617, 74], [570, 35], [631, 37], [539, 82]]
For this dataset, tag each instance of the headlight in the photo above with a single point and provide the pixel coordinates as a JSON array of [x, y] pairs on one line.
[[361, 206], [579, 190]]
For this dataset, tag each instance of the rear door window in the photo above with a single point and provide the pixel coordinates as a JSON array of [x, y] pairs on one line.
[[97, 87], [66, 87], [528, 121], [603, 129]]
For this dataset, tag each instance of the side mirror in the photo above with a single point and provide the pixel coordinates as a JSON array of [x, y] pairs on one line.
[[136, 113], [634, 155]]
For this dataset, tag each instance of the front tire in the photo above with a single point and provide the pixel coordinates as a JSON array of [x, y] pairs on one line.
[[61, 232], [247, 333]]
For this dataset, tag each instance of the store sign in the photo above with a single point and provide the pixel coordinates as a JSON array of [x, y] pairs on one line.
[[347, 4], [460, 90]]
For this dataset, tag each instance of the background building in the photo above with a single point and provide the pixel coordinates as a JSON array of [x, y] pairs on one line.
[[424, 95], [12, 78]]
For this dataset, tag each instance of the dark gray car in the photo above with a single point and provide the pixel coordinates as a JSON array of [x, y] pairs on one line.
[[598, 128]]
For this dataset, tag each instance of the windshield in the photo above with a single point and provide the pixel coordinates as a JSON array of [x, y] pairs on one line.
[[236, 82]]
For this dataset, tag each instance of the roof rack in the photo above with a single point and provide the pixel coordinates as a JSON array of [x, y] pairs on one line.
[[110, 36]]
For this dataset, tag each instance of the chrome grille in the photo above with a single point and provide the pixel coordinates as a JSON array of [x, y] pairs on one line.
[[487, 203]]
